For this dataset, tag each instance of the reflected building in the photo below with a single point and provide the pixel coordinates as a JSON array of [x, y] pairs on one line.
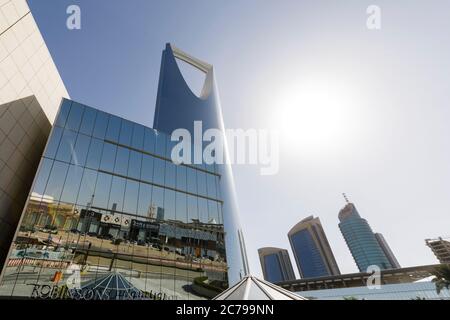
[[276, 264], [312, 250], [30, 94], [108, 200], [365, 247]]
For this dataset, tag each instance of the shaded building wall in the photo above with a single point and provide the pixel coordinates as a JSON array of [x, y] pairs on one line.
[[26, 69], [24, 129]]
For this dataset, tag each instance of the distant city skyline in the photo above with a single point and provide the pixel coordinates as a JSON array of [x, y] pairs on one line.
[[384, 141]]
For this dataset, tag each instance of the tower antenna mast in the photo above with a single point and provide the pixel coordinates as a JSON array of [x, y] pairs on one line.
[[345, 197]]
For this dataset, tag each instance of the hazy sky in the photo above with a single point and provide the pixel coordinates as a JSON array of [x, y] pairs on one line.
[[368, 109]]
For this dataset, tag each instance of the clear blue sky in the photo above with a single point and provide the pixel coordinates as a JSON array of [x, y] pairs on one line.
[[374, 123]]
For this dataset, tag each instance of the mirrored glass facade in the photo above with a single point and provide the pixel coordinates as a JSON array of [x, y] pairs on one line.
[[108, 203]]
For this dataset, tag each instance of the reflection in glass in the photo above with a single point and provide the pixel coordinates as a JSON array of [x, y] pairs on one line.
[[102, 189], [201, 183], [181, 178], [42, 176], [101, 124], [117, 194], [66, 146], [137, 141], [147, 168], [149, 140], [169, 204], [131, 197], [56, 180], [158, 176], [108, 157], [53, 142], [81, 150], [170, 175], [64, 110], [72, 184], [87, 187], [74, 118], [87, 124], [122, 157], [126, 133], [113, 131], [94, 154], [145, 201], [134, 166]]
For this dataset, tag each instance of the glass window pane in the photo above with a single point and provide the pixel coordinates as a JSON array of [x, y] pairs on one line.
[[75, 115], [42, 176], [108, 157], [95, 154], [147, 168], [134, 166], [102, 188], [211, 184], [158, 173], [87, 187], [87, 124], [203, 210], [66, 146], [72, 184], [145, 200], [169, 205], [81, 150], [201, 183], [149, 140], [126, 132], [160, 147], [101, 123], [213, 212], [158, 201], [170, 145], [138, 137], [56, 181], [117, 193], [192, 208], [122, 157], [181, 178], [181, 209], [53, 142], [63, 113], [112, 133], [191, 180], [170, 175], [131, 197]]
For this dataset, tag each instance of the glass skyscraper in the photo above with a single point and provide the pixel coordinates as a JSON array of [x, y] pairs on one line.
[[276, 264], [312, 250], [110, 216], [360, 239]]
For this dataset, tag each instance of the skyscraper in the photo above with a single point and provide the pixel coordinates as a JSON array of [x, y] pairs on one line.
[[311, 249], [387, 251], [360, 239], [276, 264], [178, 107], [30, 93], [89, 204]]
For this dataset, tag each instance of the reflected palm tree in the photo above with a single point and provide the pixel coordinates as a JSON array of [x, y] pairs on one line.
[[442, 280]]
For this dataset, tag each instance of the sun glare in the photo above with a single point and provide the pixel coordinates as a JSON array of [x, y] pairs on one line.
[[314, 114]]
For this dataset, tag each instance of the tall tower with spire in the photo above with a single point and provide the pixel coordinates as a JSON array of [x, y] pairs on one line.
[[361, 240]]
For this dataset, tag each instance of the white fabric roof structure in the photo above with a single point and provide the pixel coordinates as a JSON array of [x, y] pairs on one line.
[[252, 288]]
